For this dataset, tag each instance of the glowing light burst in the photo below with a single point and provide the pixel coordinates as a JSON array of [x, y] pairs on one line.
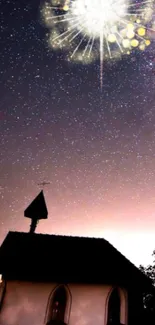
[[91, 29]]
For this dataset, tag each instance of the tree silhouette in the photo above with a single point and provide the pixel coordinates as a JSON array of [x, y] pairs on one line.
[[149, 297]]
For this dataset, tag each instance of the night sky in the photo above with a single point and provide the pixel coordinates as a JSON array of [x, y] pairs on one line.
[[95, 147]]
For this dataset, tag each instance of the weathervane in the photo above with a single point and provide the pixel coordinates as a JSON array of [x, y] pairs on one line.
[[44, 183], [36, 210]]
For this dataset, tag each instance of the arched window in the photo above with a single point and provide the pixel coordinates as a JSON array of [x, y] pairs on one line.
[[114, 308], [57, 307]]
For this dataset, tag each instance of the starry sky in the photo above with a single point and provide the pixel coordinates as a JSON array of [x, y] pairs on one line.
[[95, 147]]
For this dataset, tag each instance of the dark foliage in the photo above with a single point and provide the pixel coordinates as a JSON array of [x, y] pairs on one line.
[[149, 296]]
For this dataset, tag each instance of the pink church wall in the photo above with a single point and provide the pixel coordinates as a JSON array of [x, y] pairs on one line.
[[26, 303]]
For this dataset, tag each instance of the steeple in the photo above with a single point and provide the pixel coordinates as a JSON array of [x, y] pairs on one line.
[[36, 210]]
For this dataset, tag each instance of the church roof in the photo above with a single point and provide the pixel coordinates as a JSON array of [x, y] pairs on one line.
[[41, 257]]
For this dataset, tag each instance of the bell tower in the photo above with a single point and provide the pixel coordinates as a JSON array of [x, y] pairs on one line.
[[36, 211]]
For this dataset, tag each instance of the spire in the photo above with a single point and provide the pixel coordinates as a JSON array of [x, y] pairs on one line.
[[36, 210]]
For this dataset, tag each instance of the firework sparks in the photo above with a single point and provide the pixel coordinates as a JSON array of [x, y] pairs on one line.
[[98, 29]]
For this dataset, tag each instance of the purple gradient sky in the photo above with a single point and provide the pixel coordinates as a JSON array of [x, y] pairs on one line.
[[96, 148]]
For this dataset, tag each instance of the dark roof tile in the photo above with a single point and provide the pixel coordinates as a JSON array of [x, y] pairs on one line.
[[41, 257]]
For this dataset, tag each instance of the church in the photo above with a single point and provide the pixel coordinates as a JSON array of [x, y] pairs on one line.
[[66, 280]]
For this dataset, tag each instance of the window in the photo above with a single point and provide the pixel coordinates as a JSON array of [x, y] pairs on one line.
[[114, 308], [58, 306]]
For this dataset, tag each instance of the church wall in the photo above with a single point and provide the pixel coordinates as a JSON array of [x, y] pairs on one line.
[[26, 303]]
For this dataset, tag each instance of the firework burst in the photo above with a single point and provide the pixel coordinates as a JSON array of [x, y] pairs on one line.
[[98, 29]]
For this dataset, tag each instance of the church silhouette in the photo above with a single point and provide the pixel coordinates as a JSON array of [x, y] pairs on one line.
[[67, 280]]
